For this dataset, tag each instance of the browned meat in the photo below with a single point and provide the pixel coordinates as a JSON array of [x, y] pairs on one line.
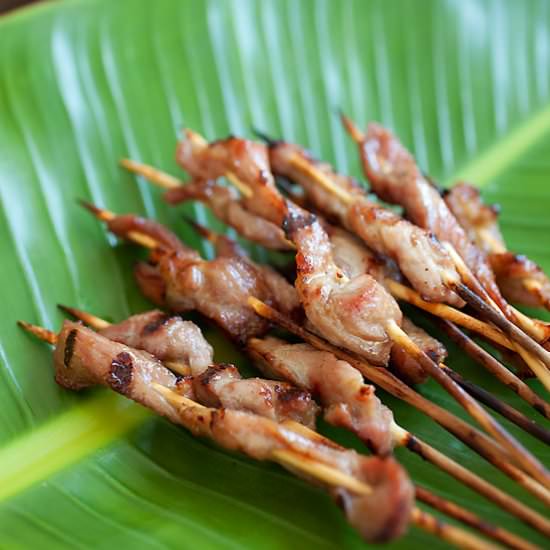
[[218, 289], [348, 312], [479, 220], [395, 178], [229, 209], [346, 400], [379, 516], [122, 225], [222, 386], [520, 280], [84, 358], [407, 368], [417, 253], [167, 337], [281, 155], [352, 256], [247, 160]]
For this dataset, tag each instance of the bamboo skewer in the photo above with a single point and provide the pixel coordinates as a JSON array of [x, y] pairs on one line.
[[470, 436], [97, 323], [332, 477], [441, 504], [471, 290], [495, 367], [515, 449], [403, 437]]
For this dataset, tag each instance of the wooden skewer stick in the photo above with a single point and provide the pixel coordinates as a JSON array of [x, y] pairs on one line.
[[407, 294], [515, 449], [505, 410], [135, 236], [328, 475], [98, 324], [468, 518], [475, 439], [51, 338], [162, 179], [496, 368]]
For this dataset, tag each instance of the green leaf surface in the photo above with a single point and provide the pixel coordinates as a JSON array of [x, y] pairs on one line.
[[466, 85]]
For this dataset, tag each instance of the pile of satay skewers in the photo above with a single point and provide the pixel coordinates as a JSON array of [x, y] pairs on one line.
[[355, 260]]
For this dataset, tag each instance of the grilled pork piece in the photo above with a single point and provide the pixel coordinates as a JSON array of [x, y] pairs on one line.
[[347, 401], [84, 358], [354, 259], [419, 255], [167, 337], [182, 281], [228, 208], [348, 312], [379, 516], [396, 178], [407, 368], [520, 280], [222, 386], [247, 160]]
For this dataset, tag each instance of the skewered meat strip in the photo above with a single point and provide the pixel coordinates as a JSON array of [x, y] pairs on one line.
[[406, 366], [520, 280], [419, 255], [479, 220], [247, 160], [167, 337], [83, 357], [347, 400], [348, 312], [228, 208], [354, 259], [182, 281], [379, 516], [396, 178]]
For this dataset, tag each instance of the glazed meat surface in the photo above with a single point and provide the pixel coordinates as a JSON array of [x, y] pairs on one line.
[[222, 386], [228, 208], [407, 368], [247, 160], [167, 337], [520, 280], [348, 312], [84, 358], [396, 178], [419, 256], [347, 401], [379, 516]]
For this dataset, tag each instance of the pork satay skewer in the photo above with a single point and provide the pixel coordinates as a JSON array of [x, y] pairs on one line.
[[449, 508], [426, 207], [99, 324], [328, 476], [396, 288], [226, 245], [469, 435], [513, 471], [315, 457], [349, 406], [214, 384], [494, 315]]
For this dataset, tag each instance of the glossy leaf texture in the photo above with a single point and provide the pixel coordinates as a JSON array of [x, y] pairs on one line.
[[466, 85]]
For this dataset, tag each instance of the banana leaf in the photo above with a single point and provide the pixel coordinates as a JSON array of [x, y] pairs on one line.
[[466, 85]]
